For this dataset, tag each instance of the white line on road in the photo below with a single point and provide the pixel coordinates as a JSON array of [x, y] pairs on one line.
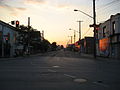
[[101, 84], [56, 66], [51, 70], [81, 80], [69, 76]]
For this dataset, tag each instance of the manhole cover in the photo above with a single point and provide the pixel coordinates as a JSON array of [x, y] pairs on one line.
[[80, 80], [100, 81]]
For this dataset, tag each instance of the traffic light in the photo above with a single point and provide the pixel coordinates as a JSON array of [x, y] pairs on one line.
[[13, 22], [6, 38], [97, 28], [17, 23]]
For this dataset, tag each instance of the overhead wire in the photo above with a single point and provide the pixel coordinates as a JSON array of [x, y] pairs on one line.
[[108, 4], [86, 32], [108, 8]]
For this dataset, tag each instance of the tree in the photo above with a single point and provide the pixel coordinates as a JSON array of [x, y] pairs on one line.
[[45, 45], [54, 46]]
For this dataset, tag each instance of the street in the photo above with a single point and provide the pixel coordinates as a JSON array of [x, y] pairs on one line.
[[59, 70]]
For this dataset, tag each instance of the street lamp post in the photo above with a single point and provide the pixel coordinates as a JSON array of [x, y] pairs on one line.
[[74, 34], [94, 24], [83, 13], [71, 38]]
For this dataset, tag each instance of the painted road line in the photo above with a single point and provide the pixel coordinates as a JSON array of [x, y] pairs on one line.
[[56, 66], [69, 76], [52, 70], [101, 84], [81, 80]]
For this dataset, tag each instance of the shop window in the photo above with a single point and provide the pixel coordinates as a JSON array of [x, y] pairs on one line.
[[113, 27], [104, 31]]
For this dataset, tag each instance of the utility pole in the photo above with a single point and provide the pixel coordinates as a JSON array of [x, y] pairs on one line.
[[74, 36], [71, 38], [79, 29], [2, 41], [43, 34], [28, 35], [94, 25]]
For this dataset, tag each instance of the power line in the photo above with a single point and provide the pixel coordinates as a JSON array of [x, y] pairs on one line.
[[86, 32], [108, 5], [112, 2], [109, 8]]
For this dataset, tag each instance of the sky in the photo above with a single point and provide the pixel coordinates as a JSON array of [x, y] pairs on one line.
[[55, 17]]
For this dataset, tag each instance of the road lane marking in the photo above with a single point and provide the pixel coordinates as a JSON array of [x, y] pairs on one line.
[[101, 84], [69, 76], [81, 80], [52, 70], [56, 66]]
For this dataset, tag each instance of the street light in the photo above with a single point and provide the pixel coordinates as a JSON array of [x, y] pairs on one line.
[[74, 30], [74, 34], [83, 13], [71, 38], [94, 24]]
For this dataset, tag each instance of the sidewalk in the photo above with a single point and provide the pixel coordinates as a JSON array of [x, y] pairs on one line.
[[26, 56], [86, 55], [90, 56]]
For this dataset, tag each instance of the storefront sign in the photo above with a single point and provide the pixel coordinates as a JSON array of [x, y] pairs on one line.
[[103, 44]]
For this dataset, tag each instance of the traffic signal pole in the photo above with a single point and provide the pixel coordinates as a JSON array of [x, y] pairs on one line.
[[94, 25]]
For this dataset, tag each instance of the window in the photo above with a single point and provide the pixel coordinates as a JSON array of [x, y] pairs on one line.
[[104, 31], [113, 27]]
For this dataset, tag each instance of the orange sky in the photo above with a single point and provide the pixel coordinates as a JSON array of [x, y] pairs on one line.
[[55, 17]]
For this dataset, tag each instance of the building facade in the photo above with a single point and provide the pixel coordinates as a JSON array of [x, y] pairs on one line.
[[86, 45], [109, 37], [16, 41], [8, 36]]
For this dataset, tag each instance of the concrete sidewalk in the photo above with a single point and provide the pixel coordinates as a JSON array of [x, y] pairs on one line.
[[91, 56], [26, 56]]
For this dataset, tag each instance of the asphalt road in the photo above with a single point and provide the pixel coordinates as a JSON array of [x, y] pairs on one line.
[[59, 71]]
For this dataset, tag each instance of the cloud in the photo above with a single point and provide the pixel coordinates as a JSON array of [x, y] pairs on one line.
[[63, 6], [20, 9], [16, 11], [13, 10], [35, 1]]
